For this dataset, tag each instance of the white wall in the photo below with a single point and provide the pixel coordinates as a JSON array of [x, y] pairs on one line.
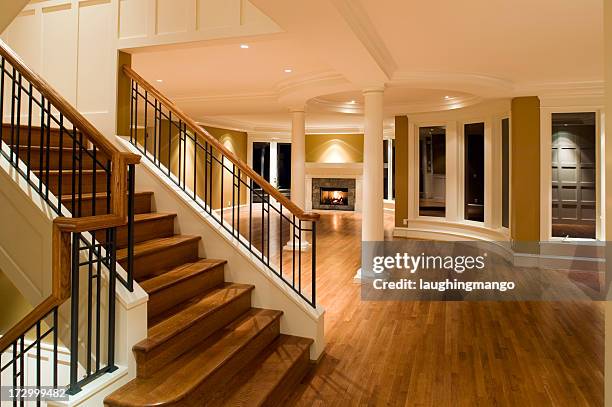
[[73, 44], [155, 22]]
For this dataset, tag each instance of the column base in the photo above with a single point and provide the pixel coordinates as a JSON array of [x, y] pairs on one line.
[[303, 247]]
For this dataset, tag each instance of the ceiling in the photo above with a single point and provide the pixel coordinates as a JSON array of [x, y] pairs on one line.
[[430, 56]]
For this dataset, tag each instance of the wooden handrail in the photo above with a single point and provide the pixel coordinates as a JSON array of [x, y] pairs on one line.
[[61, 104], [202, 132], [63, 227]]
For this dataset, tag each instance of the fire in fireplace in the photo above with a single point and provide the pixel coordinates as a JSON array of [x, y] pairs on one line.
[[334, 196]]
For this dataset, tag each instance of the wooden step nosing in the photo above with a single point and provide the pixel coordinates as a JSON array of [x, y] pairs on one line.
[[169, 246], [184, 392], [236, 351], [229, 356], [217, 308], [99, 195], [280, 379], [181, 279]]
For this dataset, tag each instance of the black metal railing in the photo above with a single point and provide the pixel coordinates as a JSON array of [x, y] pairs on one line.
[[51, 146], [19, 352], [258, 217]]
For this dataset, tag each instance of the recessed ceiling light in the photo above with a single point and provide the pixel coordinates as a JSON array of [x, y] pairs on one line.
[[447, 97], [244, 46], [352, 102], [159, 80], [288, 70]]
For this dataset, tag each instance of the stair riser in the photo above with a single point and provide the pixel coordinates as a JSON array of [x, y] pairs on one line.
[[147, 230], [86, 182], [66, 157], [148, 363], [152, 263], [233, 365], [291, 379], [35, 137], [177, 293], [142, 204]]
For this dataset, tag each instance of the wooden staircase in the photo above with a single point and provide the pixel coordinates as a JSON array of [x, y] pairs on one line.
[[206, 345]]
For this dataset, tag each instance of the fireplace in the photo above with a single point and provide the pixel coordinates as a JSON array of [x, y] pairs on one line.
[[333, 194]]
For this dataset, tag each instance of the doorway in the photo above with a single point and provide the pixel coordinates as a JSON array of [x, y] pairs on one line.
[[283, 156], [574, 175], [272, 161], [261, 165]]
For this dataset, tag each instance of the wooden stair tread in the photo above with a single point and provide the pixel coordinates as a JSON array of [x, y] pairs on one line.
[[68, 148], [179, 318], [179, 274], [154, 245], [175, 381], [258, 380], [150, 216], [70, 171], [100, 195]]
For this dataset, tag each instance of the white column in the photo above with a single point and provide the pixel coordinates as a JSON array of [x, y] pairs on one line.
[[274, 164], [372, 224], [298, 169], [373, 207], [298, 157]]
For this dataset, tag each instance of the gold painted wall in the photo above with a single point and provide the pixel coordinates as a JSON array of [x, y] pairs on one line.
[[334, 148], [525, 169], [402, 170], [14, 306], [168, 150]]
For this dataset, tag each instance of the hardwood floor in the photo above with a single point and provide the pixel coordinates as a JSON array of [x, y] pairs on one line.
[[445, 353]]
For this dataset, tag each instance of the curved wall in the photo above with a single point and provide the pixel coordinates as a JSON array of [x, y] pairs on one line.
[[453, 225]]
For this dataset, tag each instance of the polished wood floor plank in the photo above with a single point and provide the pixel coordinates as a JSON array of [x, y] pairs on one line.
[[445, 353]]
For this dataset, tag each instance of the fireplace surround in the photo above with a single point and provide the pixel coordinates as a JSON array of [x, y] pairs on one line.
[[333, 194]]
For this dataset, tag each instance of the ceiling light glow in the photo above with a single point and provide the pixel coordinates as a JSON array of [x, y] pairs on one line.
[[244, 46], [159, 80], [288, 70], [352, 102]]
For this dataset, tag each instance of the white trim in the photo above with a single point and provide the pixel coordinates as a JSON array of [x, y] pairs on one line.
[[572, 106], [454, 224]]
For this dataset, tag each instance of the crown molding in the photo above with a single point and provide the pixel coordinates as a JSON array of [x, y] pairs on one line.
[[562, 89], [483, 85], [280, 130], [321, 104]]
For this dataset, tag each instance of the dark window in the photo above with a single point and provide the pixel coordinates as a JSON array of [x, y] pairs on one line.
[[505, 172], [284, 167], [474, 171], [432, 171]]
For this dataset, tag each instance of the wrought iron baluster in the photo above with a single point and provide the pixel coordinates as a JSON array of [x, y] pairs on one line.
[[74, 316]]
